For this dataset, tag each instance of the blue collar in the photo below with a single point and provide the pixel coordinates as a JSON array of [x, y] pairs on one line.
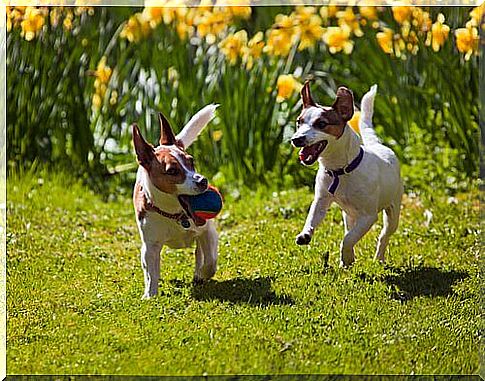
[[342, 171]]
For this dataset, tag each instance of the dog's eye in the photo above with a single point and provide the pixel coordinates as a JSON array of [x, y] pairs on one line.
[[321, 124], [172, 171]]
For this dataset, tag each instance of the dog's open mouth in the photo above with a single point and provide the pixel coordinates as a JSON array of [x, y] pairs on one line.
[[310, 154], [184, 201]]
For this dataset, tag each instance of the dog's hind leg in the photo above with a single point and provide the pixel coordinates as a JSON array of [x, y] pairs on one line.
[[390, 217], [362, 226], [348, 222], [206, 254], [150, 263]]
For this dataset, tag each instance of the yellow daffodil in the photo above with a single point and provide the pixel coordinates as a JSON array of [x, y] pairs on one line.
[[338, 39], [235, 8], [412, 43], [402, 13], [370, 13], [113, 98], [309, 32], [184, 30], [281, 37], [100, 88], [421, 20], [233, 45], [103, 71], [217, 135], [153, 15], [354, 122], [210, 25], [347, 17], [136, 28], [67, 22], [32, 23], [439, 32], [467, 40], [328, 12], [477, 14], [303, 14], [54, 16], [103, 74], [399, 47], [253, 50], [385, 40], [286, 85], [285, 23], [96, 102]]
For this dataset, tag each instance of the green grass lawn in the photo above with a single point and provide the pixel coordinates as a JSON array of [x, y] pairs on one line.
[[74, 287]]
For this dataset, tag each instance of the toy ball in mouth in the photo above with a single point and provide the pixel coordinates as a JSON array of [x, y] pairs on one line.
[[204, 206]]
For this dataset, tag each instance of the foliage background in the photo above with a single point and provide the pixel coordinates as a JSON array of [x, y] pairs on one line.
[[78, 77]]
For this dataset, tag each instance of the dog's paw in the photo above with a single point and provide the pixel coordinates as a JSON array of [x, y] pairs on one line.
[[303, 239]]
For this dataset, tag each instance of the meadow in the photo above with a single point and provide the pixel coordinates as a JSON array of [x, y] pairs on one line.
[[79, 76], [75, 285]]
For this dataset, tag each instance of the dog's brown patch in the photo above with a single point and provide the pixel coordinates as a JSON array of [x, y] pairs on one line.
[[139, 201], [165, 171], [333, 119]]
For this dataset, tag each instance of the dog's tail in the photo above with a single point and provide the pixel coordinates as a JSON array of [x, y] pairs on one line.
[[196, 124], [365, 121]]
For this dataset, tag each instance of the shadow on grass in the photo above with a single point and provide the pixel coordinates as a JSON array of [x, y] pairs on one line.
[[422, 281], [256, 292]]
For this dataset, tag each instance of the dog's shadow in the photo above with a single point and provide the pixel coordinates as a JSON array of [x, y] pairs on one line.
[[409, 283], [255, 292]]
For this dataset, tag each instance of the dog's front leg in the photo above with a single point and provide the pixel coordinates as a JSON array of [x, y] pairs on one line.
[[206, 254], [317, 213], [150, 263]]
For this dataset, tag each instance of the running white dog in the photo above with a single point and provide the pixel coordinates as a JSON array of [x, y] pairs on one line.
[[165, 177], [357, 172]]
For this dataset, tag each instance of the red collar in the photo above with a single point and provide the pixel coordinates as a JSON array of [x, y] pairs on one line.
[[177, 216]]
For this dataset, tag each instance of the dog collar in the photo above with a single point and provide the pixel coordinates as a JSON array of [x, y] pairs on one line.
[[342, 171], [181, 217]]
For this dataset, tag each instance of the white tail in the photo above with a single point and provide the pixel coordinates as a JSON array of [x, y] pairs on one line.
[[196, 124], [365, 122]]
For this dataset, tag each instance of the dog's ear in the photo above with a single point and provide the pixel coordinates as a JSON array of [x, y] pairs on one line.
[[306, 96], [144, 151], [167, 137], [344, 103]]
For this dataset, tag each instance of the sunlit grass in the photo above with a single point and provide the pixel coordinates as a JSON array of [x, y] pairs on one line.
[[74, 291]]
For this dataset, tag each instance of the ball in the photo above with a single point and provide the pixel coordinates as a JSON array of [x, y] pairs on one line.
[[206, 205]]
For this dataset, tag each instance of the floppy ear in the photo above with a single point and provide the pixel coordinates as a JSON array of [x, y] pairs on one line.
[[344, 103], [144, 151], [167, 137], [306, 96]]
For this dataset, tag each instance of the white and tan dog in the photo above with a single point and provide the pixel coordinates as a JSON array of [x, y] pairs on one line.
[[167, 174], [357, 172]]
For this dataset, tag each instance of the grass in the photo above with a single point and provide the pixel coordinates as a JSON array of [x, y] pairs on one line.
[[74, 285]]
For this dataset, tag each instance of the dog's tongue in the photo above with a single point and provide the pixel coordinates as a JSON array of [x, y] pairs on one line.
[[308, 154]]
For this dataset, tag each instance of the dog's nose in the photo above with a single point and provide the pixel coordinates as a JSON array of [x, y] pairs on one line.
[[298, 141], [201, 181]]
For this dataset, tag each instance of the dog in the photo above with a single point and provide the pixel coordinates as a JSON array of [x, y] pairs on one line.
[[357, 172], [166, 174]]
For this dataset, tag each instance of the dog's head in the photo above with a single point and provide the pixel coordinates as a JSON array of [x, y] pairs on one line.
[[169, 167], [320, 126]]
